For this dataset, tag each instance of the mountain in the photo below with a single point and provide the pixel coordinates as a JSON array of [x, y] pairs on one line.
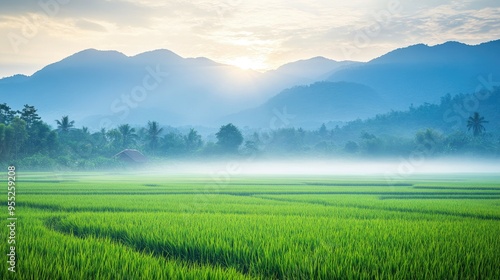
[[310, 106], [107, 88], [422, 73], [112, 86], [310, 70], [408, 76]]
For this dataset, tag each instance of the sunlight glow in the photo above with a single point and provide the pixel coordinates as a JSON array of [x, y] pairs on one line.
[[247, 63]]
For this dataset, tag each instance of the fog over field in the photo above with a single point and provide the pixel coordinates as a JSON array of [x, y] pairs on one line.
[[396, 167]]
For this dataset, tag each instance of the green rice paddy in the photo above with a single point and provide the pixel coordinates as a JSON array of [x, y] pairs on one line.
[[123, 226]]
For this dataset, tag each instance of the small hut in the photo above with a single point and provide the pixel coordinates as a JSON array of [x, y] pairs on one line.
[[131, 156]]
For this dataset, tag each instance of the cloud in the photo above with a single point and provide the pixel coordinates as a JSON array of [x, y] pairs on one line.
[[89, 25], [453, 22], [277, 31], [114, 11]]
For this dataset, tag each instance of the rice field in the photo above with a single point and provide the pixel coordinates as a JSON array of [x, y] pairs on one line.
[[123, 226]]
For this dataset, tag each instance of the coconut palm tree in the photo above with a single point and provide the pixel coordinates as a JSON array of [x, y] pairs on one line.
[[128, 135], [153, 134], [64, 124], [475, 122], [100, 138], [193, 140]]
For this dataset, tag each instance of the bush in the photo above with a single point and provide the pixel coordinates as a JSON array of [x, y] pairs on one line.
[[38, 162]]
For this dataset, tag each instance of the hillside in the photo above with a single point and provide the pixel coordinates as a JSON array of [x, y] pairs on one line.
[[421, 73], [449, 116], [309, 106]]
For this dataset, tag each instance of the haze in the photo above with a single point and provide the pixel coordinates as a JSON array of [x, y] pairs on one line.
[[391, 169]]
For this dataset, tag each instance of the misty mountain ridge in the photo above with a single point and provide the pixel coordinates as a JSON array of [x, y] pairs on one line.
[[422, 73], [408, 76], [92, 86], [309, 106], [449, 51]]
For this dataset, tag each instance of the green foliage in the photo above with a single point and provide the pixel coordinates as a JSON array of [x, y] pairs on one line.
[[323, 132], [29, 115], [425, 128], [3, 142], [64, 124], [153, 133], [173, 144], [18, 137], [351, 147], [128, 137], [38, 162], [41, 139], [229, 138], [6, 114], [429, 141], [475, 122], [193, 141], [371, 145], [286, 141]]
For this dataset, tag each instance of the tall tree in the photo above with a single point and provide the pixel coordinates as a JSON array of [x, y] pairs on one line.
[[100, 140], [29, 115], [323, 131], [229, 138], [19, 135], [6, 142], [6, 114], [128, 135], [85, 130], [3, 143], [429, 141], [173, 144], [115, 139], [41, 139], [193, 140], [475, 122], [153, 133], [64, 124]]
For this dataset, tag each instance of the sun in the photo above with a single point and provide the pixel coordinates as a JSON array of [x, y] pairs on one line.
[[247, 63]]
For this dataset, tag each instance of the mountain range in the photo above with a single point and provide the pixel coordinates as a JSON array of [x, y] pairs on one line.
[[108, 88]]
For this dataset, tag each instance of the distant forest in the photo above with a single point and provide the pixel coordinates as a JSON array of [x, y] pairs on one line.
[[466, 124]]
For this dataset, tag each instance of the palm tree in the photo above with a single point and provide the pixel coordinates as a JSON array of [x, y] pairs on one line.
[[153, 134], [100, 138], [85, 130], [64, 124], [128, 135], [115, 138], [193, 140], [475, 122]]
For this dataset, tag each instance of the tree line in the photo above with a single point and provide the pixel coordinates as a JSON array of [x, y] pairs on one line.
[[28, 141]]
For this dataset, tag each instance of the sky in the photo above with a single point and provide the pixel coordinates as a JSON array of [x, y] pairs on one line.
[[257, 34]]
